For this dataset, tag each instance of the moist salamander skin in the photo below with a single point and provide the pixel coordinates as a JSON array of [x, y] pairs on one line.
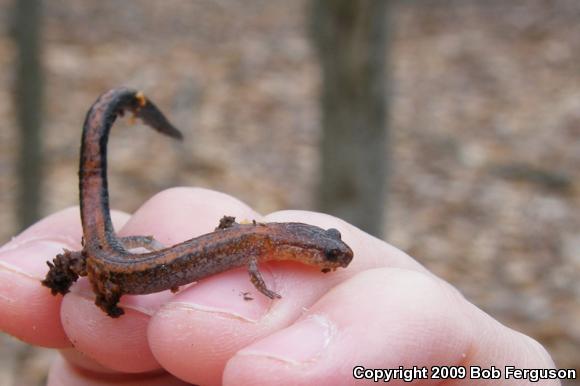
[[113, 270]]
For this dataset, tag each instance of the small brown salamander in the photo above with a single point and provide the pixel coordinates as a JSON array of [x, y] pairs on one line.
[[113, 271]]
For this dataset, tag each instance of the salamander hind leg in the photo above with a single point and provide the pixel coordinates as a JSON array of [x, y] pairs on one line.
[[108, 296], [258, 281], [147, 242], [63, 271]]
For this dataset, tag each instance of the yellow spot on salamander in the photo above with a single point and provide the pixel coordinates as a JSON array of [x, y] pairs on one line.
[[141, 99]]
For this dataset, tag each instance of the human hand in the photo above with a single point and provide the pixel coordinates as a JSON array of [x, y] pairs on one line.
[[384, 311]]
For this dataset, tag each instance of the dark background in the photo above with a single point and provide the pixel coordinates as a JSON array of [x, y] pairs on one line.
[[484, 120]]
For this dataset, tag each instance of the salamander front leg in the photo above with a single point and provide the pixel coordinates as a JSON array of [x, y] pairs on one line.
[[258, 281], [226, 222]]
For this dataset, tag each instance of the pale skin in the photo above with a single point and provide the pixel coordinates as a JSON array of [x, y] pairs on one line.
[[383, 311]]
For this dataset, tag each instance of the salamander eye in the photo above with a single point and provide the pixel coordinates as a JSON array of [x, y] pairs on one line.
[[333, 234], [331, 254]]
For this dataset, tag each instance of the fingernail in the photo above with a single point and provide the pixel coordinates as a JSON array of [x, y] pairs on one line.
[[30, 257], [303, 342], [230, 293]]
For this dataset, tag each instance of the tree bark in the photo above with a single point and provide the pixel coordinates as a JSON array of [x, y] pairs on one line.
[[28, 101], [351, 39]]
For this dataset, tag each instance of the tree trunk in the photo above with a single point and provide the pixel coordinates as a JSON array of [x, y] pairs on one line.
[[351, 40], [28, 101]]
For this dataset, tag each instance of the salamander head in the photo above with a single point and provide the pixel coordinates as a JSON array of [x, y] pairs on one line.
[[312, 245]]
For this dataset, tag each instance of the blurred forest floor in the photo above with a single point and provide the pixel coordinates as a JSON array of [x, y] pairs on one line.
[[485, 113]]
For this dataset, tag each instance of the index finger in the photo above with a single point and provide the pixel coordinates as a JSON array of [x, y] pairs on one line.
[[211, 321], [27, 309]]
